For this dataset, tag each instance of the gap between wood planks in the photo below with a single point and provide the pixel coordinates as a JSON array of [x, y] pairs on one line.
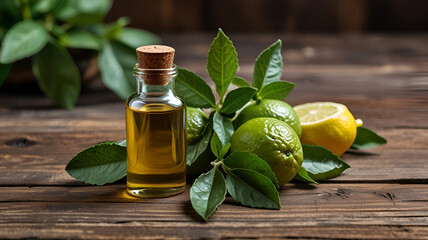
[[331, 181]]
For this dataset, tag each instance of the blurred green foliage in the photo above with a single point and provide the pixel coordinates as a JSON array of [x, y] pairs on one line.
[[45, 29]]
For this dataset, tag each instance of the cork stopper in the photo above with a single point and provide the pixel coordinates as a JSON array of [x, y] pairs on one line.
[[155, 57]]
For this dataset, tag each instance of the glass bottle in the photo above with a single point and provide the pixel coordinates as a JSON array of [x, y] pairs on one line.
[[155, 134]]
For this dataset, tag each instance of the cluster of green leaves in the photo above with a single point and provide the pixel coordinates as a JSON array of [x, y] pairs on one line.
[[222, 64], [248, 179], [251, 182], [44, 29]]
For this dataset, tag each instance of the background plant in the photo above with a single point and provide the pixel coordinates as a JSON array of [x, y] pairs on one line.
[[46, 30]]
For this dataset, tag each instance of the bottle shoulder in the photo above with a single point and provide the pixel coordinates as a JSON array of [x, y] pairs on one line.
[[137, 101]]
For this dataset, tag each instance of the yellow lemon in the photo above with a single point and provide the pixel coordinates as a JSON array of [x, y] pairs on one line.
[[327, 124]]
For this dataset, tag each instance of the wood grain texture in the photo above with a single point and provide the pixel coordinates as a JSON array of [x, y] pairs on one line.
[[38, 164], [331, 209], [132, 230], [382, 79]]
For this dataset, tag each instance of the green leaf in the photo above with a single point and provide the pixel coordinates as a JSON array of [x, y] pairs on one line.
[[216, 145], [24, 39], [222, 62], [112, 72], [122, 143], [83, 12], [4, 71], [58, 31], [252, 189], [67, 10], [57, 75], [194, 90], [247, 160], [276, 90], [98, 29], [240, 82], [199, 155], [113, 30], [321, 163], [99, 164], [223, 127], [96, 7], [225, 149], [302, 176], [268, 66], [44, 6], [81, 39], [208, 192], [198, 148], [135, 38], [217, 148], [366, 138], [236, 99], [127, 59]]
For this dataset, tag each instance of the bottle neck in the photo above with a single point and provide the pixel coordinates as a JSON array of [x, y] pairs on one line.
[[155, 82], [154, 90]]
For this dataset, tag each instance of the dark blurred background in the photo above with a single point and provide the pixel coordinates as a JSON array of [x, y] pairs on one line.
[[387, 34], [300, 16]]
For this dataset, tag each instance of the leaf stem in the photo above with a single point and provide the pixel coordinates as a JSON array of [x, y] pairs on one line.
[[49, 21], [217, 108], [221, 101], [216, 163], [225, 168], [25, 8], [66, 26]]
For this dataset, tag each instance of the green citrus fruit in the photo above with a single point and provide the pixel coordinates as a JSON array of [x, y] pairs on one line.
[[273, 141], [196, 120], [270, 108]]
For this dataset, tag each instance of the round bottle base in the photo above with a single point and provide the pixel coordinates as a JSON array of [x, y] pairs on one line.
[[155, 192]]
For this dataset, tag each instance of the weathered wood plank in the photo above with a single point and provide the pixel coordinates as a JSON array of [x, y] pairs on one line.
[[402, 160], [338, 49], [375, 54], [328, 194], [135, 230], [379, 113], [343, 207], [378, 205]]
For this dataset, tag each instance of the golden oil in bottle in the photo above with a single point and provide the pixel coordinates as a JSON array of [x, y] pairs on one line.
[[156, 153], [155, 128]]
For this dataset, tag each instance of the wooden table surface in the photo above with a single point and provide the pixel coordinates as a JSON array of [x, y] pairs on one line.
[[383, 79]]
